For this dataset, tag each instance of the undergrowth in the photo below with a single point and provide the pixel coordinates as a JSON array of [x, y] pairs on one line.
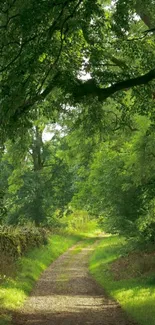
[[131, 284]]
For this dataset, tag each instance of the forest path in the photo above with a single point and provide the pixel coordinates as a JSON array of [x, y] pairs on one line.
[[66, 294]]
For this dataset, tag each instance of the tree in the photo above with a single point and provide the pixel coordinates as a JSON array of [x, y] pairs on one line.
[[47, 46], [35, 180], [89, 66], [117, 181]]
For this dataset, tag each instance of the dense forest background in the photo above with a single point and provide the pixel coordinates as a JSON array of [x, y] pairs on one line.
[[77, 113]]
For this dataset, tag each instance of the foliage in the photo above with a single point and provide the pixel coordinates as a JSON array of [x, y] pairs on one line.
[[47, 48], [37, 180], [85, 69], [78, 221], [17, 241], [117, 181]]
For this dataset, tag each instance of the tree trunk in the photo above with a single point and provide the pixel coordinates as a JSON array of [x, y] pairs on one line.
[[37, 149]]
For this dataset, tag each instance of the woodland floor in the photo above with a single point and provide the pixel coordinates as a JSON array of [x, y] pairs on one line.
[[67, 294]]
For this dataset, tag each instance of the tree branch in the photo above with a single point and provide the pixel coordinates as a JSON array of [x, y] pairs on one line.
[[90, 88], [85, 89]]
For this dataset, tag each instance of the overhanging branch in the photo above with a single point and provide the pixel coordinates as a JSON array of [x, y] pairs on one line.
[[90, 88], [86, 89]]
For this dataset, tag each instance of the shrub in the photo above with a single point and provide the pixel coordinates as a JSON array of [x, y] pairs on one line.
[[16, 242]]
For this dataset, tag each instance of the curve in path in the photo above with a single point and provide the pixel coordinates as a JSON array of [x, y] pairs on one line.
[[67, 295]]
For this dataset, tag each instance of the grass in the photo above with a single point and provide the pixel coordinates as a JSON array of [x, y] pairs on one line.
[[15, 289], [126, 279], [87, 242]]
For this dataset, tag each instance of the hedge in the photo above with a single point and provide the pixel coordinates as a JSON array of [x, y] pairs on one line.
[[17, 241]]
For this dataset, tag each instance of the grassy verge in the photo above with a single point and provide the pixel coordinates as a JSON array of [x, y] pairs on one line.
[[15, 289], [129, 279]]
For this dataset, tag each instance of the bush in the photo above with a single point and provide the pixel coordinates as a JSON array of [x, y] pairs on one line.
[[16, 242]]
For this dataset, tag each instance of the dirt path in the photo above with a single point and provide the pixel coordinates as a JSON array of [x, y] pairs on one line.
[[67, 295]]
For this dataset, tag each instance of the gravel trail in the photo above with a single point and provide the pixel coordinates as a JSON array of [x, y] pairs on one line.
[[66, 294]]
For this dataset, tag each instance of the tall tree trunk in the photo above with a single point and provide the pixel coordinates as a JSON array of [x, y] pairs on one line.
[[37, 149]]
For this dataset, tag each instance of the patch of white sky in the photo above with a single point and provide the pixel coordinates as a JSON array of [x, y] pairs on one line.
[[111, 5], [83, 74], [50, 131]]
